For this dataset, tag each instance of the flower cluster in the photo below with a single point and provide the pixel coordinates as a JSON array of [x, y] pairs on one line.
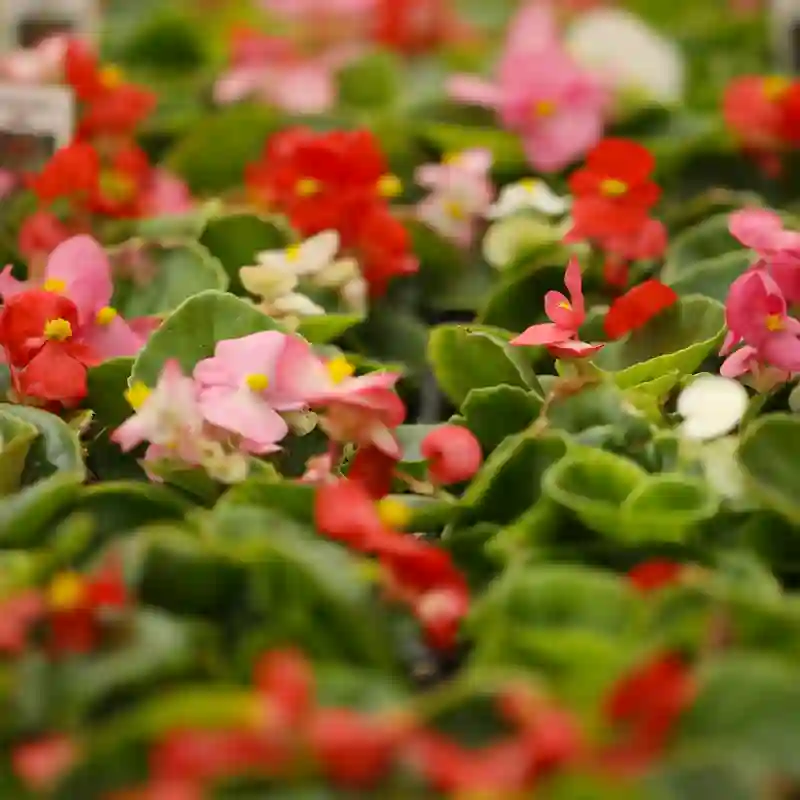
[[757, 307], [613, 196], [763, 113], [336, 181], [245, 398], [52, 330], [541, 93], [279, 273], [102, 173]]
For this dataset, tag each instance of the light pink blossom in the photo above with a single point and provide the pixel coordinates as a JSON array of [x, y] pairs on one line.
[[755, 312], [7, 183], [746, 363], [166, 195], [778, 249], [248, 381], [37, 65], [79, 269], [540, 92], [461, 193], [560, 335]]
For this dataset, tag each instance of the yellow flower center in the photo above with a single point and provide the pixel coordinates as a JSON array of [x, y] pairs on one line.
[[544, 108], [452, 158], [339, 369], [393, 514], [111, 76], [54, 285], [774, 322], [67, 591], [775, 86], [57, 329], [455, 210], [306, 187], [529, 184], [611, 187], [257, 382], [105, 316], [390, 186], [293, 252], [137, 394], [565, 305], [117, 186]]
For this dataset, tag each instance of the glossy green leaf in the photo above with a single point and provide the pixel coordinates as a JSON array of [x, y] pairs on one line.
[[709, 239], [678, 339], [236, 239], [179, 271], [713, 276], [768, 456], [57, 448], [189, 224], [192, 331], [494, 413], [327, 328], [371, 82], [466, 357], [293, 500], [506, 149], [107, 385], [16, 437]]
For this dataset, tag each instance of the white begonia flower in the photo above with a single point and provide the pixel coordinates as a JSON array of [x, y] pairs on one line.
[[530, 194], [711, 406], [629, 55], [293, 304]]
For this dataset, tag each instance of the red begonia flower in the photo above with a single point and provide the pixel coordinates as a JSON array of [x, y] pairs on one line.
[[653, 575], [637, 307], [453, 454]]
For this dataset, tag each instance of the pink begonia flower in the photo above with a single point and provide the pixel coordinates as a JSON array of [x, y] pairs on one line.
[[461, 192], [247, 381], [166, 195], [755, 312], [41, 763], [777, 248], [41, 64], [79, 269], [274, 70], [168, 417], [7, 182], [560, 335], [746, 362], [541, 93]]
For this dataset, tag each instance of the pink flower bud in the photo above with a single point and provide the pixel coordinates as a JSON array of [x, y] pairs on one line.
[[453, 454]]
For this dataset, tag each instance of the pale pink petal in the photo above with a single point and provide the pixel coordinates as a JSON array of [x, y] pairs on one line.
[[558, 141], [739, 363], [544, 334], [306, 88], [299, 375], [83, 266], [470, 89], [245, 413], [755, 228], [114, 339], [573, 280], [558, 309], [239, 83], [256, 354], [533, 28], [167, 194], [144, 326], [9, 285]]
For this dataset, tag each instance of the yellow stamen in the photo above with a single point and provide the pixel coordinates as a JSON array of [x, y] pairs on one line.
[[529, 184], [339, 369], [306, 187], [106, 315], [455, 210], [393, 513], [136, 395], [774, 322], [111, 76], [257, 382], [565, 305], [54, 285], [293, 252], [452, 158], [544, 108], [67, 591], [775, 86], [390, 186], [57, 329], [117, 186], [611, 187]]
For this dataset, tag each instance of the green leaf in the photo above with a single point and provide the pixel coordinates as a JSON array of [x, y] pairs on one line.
[[192, 331], [713, 276], [390, 334], [506, 149], [472, 357], [768, 456], [236, 239], [188, 225], [497, 412], [706, 774], [678, 339], [323, 329], [707, 240], [208, 165], [57, 448], [107, 385], [26, 516], [510, 481], [371, 82], [293, 500], [16, 437], [179, 271]]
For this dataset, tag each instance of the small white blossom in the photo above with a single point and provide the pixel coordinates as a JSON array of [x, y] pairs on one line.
[[530, 194], [711, 406]]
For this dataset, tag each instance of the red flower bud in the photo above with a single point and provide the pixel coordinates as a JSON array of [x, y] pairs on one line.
[[453, 454]]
